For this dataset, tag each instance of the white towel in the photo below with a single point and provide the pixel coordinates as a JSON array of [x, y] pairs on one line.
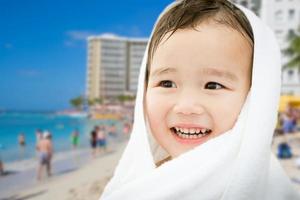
[[236, 165]]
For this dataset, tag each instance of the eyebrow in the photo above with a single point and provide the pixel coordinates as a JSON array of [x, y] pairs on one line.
[[162, 71], [205, 71], [219, 73]]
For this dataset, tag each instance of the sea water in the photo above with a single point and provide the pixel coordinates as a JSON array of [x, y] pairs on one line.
[[61, 127]]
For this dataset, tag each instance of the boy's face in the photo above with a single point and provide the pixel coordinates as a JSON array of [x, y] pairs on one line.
[[198, 82]]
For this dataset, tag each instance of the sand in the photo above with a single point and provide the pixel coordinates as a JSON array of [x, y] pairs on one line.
[[87, 183], [289, 165]]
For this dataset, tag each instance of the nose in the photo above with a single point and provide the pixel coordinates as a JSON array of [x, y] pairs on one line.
[[188, 103]]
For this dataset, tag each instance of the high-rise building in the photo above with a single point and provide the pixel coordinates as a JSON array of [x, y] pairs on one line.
[[283, 16], [254, 5], [113, 65]]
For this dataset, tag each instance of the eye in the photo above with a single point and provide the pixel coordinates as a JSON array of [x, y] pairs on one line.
[[167, 84], [213, 86]]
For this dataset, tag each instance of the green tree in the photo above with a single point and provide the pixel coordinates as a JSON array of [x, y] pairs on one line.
[[98, 100], [293, 51], [77, 102], [92, 102], [124, 98]]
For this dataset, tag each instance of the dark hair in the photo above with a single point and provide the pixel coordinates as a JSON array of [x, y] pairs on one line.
[[190, 13]]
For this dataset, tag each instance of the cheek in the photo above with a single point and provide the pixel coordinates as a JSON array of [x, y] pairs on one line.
[[227, 111], [155, 115], [154, 108], [157, 107]]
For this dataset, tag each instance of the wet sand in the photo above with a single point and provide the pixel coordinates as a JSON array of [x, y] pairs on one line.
[[74, 177]]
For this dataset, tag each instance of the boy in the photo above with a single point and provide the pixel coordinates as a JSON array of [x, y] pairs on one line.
[[198, 80]]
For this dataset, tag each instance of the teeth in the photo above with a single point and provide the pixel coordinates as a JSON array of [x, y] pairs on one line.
[[192, 130], [191, 133]]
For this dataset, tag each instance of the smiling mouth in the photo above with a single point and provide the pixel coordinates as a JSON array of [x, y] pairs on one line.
[[190, 133]]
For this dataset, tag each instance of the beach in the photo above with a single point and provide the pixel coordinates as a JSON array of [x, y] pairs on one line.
[[21, 161], [289, 165], [88, 181], [85, 182]]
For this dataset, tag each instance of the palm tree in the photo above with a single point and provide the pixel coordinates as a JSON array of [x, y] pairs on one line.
[[98, 100], [77, 102], [91, 102], [293, 51], [124, 98]]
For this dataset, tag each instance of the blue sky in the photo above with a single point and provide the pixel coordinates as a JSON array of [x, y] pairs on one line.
[[43, 45]]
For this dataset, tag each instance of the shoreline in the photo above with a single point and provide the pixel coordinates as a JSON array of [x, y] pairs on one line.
[[21, 175], [86, 183]]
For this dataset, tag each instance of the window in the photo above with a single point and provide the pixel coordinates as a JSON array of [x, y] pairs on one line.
[[278, 32], [291, 14], [290, 73], [279, 15], [244, 3], [291, 33]]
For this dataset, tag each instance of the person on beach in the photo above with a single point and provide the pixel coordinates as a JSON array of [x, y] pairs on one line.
[[101, 139], [205, 113], [289, 119], [45, 151], [1, 167], [93, 140], [126, 129], [38, 135], [22, 144], [1, 163], [21, 140], [112, 131], [289, 124], [75, 139]]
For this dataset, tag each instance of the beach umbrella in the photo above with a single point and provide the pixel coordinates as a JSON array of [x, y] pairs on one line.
[[293, 100]]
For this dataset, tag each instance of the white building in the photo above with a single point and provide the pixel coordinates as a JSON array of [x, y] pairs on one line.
[[113, 65], [254, 5], [283, 16]]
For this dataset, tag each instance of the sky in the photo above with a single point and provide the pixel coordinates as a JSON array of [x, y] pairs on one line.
[[43, 45]]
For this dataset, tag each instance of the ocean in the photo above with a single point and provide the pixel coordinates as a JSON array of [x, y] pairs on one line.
[[61, 127]]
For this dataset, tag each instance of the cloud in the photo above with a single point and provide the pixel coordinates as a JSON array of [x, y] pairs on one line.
[[69, 43], [134, 31], [130, 31], [78, 38], [79, 35], [28, 72]]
